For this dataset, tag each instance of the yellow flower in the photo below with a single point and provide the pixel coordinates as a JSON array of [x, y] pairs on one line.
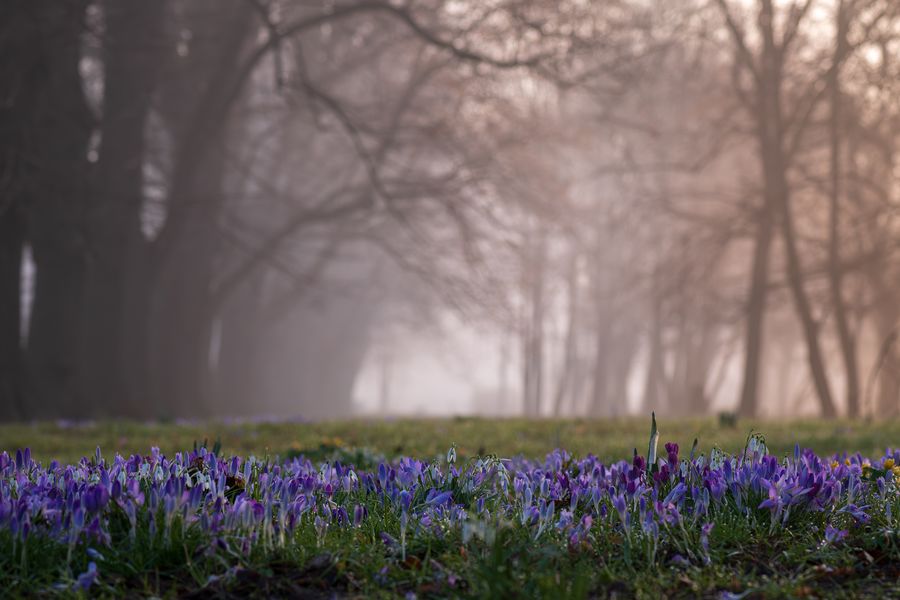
[[888, 463], [847, 461], [834, 465], [896, 470]]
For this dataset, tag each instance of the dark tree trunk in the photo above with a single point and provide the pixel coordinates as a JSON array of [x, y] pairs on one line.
[[182, 315], [21, 72], [11, 238], [185, 252], [131, 59], [57, 202]]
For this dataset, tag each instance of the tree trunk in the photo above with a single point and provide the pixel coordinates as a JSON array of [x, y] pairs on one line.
[[11, 238], [184, 253], [887, 360], [756, 313], [771, 134], [182, 315], [603, 326], [131, 64], [835, 270], [802, 304], [886, 405], [533, 342], [20, 70], [56, 228], [567, 372]]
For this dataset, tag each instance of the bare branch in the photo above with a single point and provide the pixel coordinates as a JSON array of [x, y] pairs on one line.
[[743, 52]]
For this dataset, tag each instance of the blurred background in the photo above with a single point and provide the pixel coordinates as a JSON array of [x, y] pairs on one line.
[[308, 210]]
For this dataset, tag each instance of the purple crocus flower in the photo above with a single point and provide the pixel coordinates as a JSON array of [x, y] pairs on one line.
[[359, 513], [639, 462], [774, 502], [704, 537], [321, 526], [621, 507], [833, 535], [857, 512], [439, 498], [672, 453], [88, 578]]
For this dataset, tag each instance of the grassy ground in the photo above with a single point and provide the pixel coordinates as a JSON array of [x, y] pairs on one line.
[[425, 438], [748, 559]]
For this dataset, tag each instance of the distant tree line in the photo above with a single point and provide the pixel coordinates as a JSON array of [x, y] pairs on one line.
[[733, 219], [222, 199]]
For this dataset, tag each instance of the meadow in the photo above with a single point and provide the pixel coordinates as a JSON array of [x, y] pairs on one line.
[[451, 508]]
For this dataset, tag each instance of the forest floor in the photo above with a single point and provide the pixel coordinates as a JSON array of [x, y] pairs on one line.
[[562, 527]]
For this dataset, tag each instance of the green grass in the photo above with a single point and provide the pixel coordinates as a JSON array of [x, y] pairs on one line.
[[425, 438]]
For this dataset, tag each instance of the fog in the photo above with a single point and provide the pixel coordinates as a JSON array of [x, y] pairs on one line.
[[319, 210]]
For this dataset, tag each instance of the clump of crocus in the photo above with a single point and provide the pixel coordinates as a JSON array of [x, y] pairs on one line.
[[237, 505]]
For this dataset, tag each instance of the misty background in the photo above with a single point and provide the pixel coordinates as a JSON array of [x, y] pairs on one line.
[[314, 209]]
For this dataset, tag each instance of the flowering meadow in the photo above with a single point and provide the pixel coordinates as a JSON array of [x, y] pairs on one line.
[[666, 521]]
